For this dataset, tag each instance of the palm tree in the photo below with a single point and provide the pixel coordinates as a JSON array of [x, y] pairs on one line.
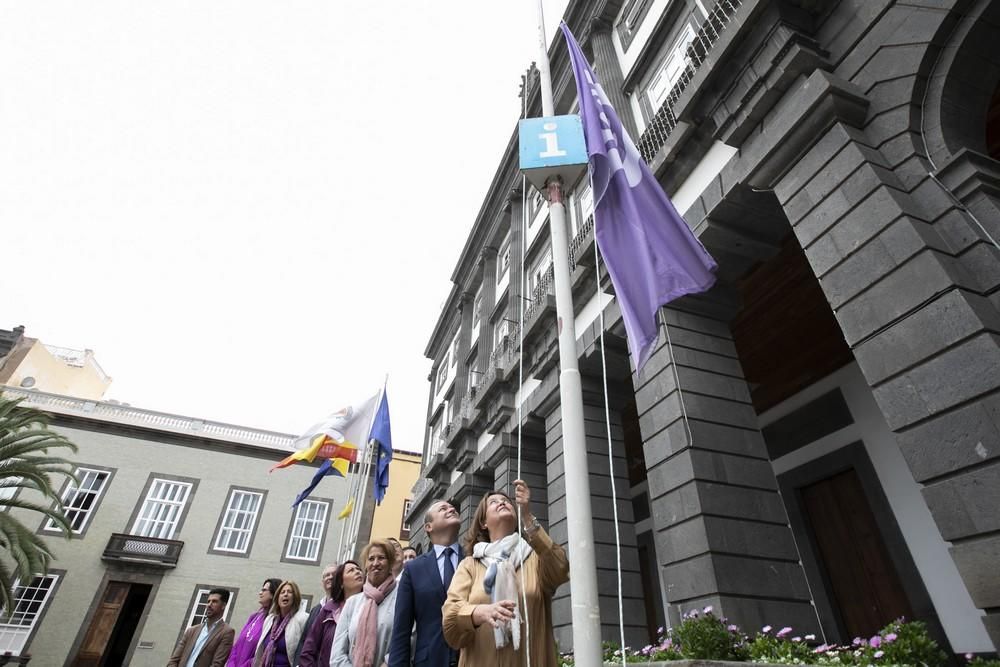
[[25, 463]]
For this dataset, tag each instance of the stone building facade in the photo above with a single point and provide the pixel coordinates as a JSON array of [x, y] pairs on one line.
[[816, 443], [167, 508]]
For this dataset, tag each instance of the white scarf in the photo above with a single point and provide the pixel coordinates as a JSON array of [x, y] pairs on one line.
[[502, 559]]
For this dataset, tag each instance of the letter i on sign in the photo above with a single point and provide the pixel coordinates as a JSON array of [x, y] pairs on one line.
[[551, 139]]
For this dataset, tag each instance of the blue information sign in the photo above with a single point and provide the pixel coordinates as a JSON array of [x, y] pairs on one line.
[[552, 146]]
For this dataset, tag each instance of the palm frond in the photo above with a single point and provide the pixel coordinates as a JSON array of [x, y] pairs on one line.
[[26, 462]]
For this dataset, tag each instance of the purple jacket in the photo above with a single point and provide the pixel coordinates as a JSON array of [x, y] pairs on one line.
[[317, 646], [246, 640]]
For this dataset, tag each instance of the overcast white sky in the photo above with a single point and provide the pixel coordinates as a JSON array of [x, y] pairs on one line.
[[250, 210]]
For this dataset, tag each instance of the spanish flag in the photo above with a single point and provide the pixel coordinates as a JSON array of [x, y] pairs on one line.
[[324, 447]]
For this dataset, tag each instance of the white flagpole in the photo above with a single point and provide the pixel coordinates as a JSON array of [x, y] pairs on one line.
[[586, 614], [351, 490], [370, 453]]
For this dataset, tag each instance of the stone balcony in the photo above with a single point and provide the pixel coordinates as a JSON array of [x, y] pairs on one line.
[[138, 550]]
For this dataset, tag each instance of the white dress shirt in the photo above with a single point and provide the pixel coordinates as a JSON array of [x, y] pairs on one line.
[[439, 553]]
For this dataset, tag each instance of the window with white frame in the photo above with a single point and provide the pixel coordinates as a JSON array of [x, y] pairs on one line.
[[79, 501], [239, 521], [670, 70], [435, 439], [306, 537], [500, 331], [404, 527], [442, 375], [539, 267], [503, 259], [477, 311], [630, 19], [29, 603], [196, 615], [9, 491], [162, 509], [534, 206], [454, 350], [449, 411]]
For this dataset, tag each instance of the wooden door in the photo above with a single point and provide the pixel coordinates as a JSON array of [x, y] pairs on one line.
[[102, 625], [864, 585]]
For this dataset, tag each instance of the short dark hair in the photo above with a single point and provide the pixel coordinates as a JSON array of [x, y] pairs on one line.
[[223, 594], [409, 548], [272, 585], [337, 587]]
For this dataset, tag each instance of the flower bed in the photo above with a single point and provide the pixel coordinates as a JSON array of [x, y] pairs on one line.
[[703, 639]]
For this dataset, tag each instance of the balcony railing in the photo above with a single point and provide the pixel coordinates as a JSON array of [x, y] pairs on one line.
[[538, 296], [579, 242], [665, 120], [143, 550], [119, 413]]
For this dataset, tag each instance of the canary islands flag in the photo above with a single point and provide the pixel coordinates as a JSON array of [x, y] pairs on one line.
[[381, 433], [337, 436]]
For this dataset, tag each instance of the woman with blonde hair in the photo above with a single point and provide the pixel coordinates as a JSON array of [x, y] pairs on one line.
[[485, 615], [365, 626], [282, 631]]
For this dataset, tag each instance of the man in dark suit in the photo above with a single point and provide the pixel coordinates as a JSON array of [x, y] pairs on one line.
[[421, 593], [207, 644]]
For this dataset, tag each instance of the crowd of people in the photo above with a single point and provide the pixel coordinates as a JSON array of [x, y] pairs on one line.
[[487, 602]]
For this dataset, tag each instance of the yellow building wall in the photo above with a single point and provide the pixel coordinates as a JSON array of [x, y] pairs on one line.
[[55, 376], [404, 469]]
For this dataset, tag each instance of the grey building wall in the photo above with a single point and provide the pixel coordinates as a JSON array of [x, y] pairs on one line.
[[861, 130], [134, 454]]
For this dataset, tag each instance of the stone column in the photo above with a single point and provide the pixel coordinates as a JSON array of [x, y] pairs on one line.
[[517, 224], [609, 72], [604, 527], [533, 472], [722, 536], [468, 491], [462, 378], [911, 280], [488, 270]]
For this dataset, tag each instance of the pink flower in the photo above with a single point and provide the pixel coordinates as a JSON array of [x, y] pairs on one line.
[[969, 656], [858, 641], [659, 630], [821, 648], [732, 628], [707, 610], [783, 631], [879, 654], [875, 641], [891, 637], [766, 629]]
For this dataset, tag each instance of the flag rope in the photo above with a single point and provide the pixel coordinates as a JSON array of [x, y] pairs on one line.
[[611, 459], [520, 370]]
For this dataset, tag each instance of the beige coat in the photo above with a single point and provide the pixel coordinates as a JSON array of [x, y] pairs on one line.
[[544, 572]]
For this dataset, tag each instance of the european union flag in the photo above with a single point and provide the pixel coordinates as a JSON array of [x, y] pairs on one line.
[[381, 433]]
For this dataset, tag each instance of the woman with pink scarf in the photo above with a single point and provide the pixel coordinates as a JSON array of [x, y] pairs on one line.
[[249, 636], [365, 626], [282, 631]]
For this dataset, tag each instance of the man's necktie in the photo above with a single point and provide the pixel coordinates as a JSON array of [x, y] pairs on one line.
[[449, 569]]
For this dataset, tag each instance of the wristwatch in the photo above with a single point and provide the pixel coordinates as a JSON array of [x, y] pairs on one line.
[[530, 528]]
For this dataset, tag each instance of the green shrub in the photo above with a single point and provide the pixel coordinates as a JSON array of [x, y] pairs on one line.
[[705, 636]]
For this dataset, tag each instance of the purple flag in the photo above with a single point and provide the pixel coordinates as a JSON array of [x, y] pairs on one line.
[[651, 253]]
